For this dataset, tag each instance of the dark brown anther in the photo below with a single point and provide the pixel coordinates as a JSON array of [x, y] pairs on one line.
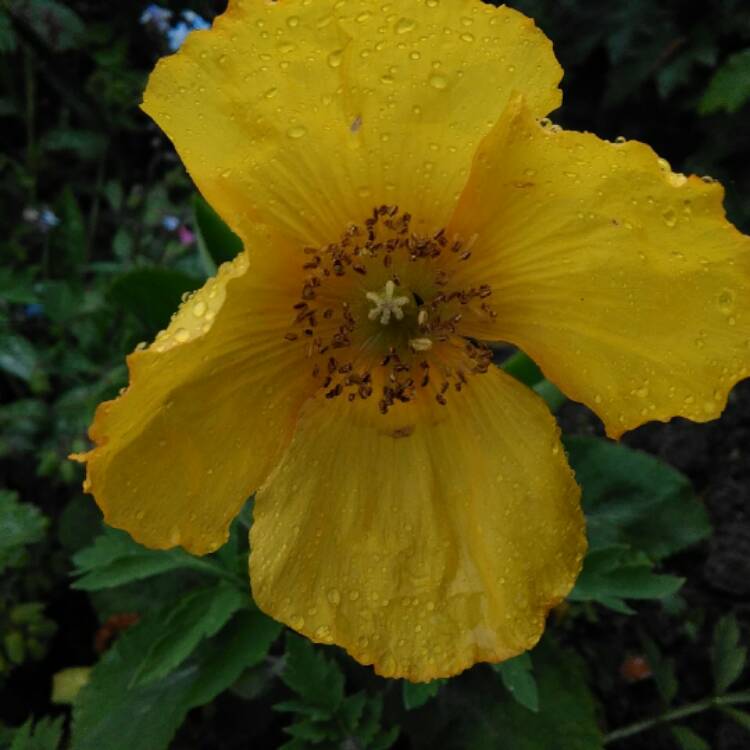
[[328, 313], [332, 365], [465, 256], [359, 268], [316, 371], [299, 306], [440, 399], [327, 381], [291, 337], [387, 260], [346, 368], [351, 397], [425, 380]]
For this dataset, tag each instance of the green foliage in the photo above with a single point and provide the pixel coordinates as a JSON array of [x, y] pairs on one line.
[[729, 89], [635, 500], [55, 23], [727, 655], [663, 669], [217, 241], [21, 524], [687, 739], [115, 559], [198, 615], [152, 294], [638, 511], [416, 694], [104, 710], [518, 677], [565, 709], [46, 734], [322, 712]]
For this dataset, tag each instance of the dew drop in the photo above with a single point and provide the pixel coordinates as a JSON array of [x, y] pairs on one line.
[[404, 25], [467, 37], [670, 217], [438, 82], [199, 309], [297, 622], [181, 335], [271, 93], [297, 131], [334, 597], [334, 59], [292, 21]]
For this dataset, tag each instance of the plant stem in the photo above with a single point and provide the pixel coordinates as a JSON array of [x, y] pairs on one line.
[[678, 713]]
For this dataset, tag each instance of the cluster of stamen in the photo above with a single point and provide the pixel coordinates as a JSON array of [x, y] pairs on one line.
[[330, 316]]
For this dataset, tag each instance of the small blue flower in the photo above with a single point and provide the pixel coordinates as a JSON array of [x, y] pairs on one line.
[[158, 17], [194, 21], [47, 219], [34, 310], [170, 223]]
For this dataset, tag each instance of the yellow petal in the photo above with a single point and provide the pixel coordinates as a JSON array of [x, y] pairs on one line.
[[423, 541], [306, 115], [622, 279], [210, 407]]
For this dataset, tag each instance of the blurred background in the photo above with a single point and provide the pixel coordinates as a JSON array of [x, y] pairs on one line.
[[102, 234]]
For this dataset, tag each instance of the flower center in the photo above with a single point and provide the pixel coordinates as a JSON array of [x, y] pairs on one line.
[[366, 335], [386, 304]]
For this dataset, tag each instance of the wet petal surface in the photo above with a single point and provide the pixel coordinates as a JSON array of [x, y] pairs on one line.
[[622, 279], [425, 540]]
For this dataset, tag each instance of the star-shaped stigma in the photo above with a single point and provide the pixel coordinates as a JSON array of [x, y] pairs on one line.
[[386, 304]]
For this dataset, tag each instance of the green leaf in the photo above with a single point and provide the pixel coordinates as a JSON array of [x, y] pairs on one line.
[[104, 711], [18, 357], [318, 681], [115, 559], [729, 89], [518, 677], [416, 694], [152, 294], [687, 739], [523, 368], [21, 524], [493, 719], [634, 499], [727, 656], [615, 573], [46, 734], [215, 239], [662, 668], [741, 717], [198, 615], [242, 644]]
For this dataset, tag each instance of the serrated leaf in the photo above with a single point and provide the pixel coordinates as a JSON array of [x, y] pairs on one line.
[[729, 89], [197, 616], [634, 499], [492, 718], [115, 559], [687, 739], [215, 238], [46, 734], [104, 711], [416, 694], [152, 294], [242, 644], [615, 573], [317, 680], [727, 656], [21, 524], [518, 677]]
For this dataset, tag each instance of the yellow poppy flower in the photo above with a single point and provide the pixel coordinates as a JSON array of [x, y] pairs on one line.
[[401, 198]]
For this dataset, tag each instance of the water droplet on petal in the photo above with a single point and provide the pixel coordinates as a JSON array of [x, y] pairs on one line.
[[404, 25], [438, 82], [297, 131]]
